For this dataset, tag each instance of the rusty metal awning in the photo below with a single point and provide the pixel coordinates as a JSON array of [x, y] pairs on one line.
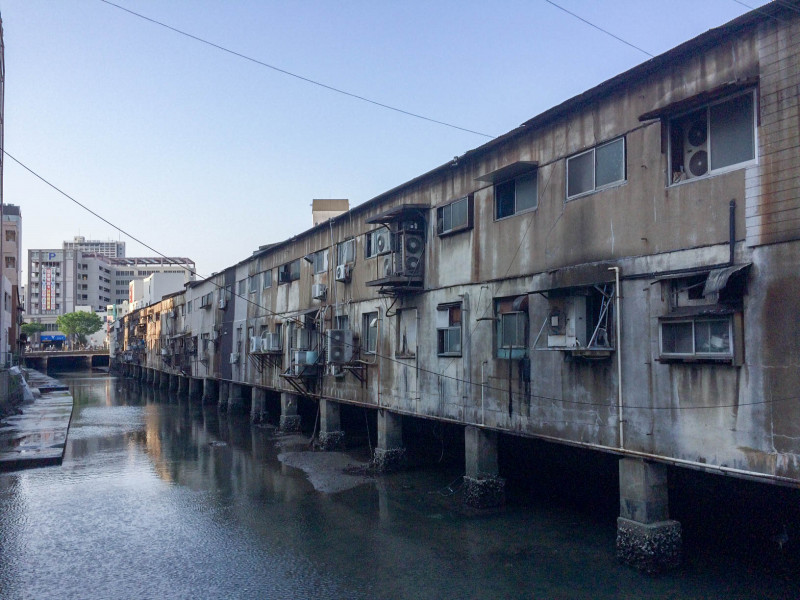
[[698, 100], [509, 171], [397, 212], [718, 278]]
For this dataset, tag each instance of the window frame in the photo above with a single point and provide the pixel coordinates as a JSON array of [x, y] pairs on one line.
[[454, 318], [341, 253], [532, 173], [289, 272], [500, 348], [672, 119], [593, 151], [254, 283], [369, 334], [267, 279], [440, 210], [694, 355]]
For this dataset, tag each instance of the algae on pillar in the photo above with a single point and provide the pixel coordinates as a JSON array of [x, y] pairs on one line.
[[290, 420], [235, 398], [258, 405], [331, 436], [210, 390], [646, 537], [483, 488], [390, 454]]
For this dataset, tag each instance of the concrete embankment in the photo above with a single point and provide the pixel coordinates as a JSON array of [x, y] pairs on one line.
[[37, 435]]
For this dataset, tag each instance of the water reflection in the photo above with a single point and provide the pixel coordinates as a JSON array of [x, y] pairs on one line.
[[161, 497]]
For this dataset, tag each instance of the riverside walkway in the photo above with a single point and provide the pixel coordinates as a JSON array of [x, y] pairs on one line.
[[37, 437]]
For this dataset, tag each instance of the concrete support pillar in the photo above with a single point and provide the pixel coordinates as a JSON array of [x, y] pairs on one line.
[[290, 420], [164, 384], [258, 405], [389, 453], [183, 385], [156, 378], [483, 488], [173, 382], [236, 402], [195, 387], [646, 537], [222, 398], [331, 436], [142, 373], [210, 391]]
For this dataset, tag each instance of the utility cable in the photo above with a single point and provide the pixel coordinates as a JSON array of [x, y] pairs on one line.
[[590, 24], [295, 75]]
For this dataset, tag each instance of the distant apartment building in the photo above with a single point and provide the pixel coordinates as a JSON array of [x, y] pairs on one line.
[[61, 280], [12, 242], [108, 248]]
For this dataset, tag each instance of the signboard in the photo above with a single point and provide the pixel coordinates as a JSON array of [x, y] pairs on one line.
[[54, 338], [48, 287]]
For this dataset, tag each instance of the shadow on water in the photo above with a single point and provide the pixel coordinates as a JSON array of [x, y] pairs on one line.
[[161, 497]]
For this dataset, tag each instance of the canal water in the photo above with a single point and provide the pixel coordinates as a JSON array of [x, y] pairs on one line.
[[161, 498]]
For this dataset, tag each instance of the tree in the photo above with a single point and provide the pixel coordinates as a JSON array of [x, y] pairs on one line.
[[79, 324], [31, 329]]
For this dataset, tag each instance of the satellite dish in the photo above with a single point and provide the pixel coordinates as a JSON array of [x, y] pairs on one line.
[[698, 164]]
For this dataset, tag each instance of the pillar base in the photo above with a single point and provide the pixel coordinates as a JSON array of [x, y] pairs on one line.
[[652, 548], [486, 492], [290, 423], [330, 440], [386, 461]]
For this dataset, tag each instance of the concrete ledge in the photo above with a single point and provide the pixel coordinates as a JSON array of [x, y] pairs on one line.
[[331, 440], [487, 492], [386, 461], [652, 548], [290, 423]]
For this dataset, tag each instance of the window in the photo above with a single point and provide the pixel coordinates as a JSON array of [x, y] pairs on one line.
[[254, 281], [346, 252], [715, 138], [377, 242], [454, 217], [341, 322], [11, 235], [267, 279], [242, 285], [289, 272], [369, 332], [512, 335], [596, 169], [205, 301], [515, 196], [448, 329], [698, 337], [11, 262], [319, 261]]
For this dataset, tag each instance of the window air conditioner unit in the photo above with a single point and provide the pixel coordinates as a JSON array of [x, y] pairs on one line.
[[382, 241], [318, 291], [339, 347], [234, 358], [271, 342], [343, 273], [255, 344], [222, 303]]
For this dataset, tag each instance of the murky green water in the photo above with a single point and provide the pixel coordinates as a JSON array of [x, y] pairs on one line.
[[149, 504]]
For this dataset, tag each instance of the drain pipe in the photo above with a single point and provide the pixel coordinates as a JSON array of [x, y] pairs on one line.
[[732, 229], [619, 357]]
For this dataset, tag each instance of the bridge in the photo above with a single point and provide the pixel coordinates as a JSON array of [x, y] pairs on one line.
[[41, 360]]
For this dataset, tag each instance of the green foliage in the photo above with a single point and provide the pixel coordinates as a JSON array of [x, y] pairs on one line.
[[79, 324], [30, 329]]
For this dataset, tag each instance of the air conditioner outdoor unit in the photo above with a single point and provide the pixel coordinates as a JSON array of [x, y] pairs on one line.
[[271, 342], [409, 257], [343, 273], [234, 358], [695, 146], [318, 291], [382, 241], [164, 352], [339, 346], [305, 361], [386, 266], [222, 303], [255, 344]]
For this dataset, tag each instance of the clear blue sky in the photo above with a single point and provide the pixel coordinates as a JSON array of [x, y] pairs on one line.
[[206, 155]]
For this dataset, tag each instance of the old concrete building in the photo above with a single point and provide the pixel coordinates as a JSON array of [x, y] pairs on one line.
[[619, 273]]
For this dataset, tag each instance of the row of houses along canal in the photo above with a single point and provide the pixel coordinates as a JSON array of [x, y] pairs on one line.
[[161, 495]]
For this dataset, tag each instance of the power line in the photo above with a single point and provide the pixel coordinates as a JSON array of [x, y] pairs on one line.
[[295, 75], [590, 24]]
